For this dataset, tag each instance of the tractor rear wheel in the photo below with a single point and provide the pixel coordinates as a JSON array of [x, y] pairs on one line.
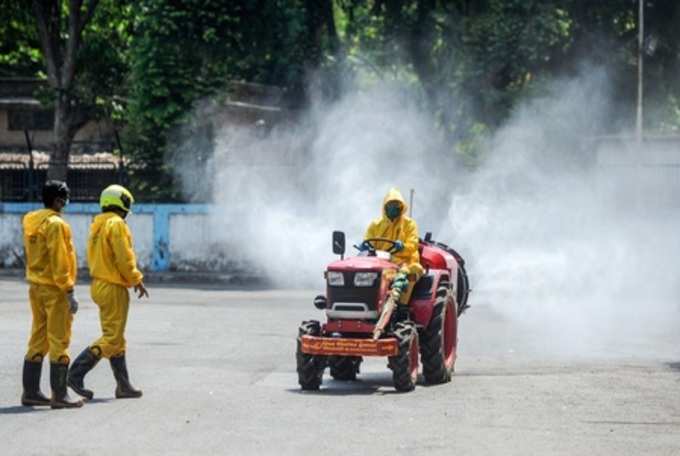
[[404, 365], [345, 367], [438, 339], [309, 367]]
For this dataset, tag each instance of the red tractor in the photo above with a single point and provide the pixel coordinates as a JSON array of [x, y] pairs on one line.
[[360, 320]]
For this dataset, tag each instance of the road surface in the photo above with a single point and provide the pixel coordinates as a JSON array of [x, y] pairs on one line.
[[218, 373]]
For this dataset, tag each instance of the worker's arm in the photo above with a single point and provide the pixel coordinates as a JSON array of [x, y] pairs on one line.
[[410, 239], [125, 259], [372, 230], [58, 236]]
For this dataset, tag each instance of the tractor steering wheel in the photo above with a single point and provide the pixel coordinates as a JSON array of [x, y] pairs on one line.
[[370, 242]]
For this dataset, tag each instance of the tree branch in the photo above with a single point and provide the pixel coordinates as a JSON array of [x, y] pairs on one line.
[[49, 37], [72, 44], [91, 7]]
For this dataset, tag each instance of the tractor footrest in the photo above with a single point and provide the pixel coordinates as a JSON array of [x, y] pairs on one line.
[[349, 347]]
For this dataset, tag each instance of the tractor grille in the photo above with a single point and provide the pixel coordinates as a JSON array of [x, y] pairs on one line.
[[349, 293]]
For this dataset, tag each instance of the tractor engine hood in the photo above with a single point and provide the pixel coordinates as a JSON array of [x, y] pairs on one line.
[[362, 264]]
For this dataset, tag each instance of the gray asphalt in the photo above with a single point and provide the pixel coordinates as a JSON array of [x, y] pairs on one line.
[[218, 373]]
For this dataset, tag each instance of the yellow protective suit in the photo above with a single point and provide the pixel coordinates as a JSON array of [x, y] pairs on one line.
[[51, 270], [404, 229], [113, 268]]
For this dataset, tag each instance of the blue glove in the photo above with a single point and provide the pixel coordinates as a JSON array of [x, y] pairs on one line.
[[365, 246], [398, 246]]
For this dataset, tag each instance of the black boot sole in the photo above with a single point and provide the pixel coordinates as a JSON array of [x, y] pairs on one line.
[[66, 405], [86, 393], [120, 395], [35, 402]]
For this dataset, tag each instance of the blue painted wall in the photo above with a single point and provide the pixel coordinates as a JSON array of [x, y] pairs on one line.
[[160, 259]]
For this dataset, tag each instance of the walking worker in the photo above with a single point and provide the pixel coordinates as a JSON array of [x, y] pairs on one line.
[[51, 273], [113, 269]]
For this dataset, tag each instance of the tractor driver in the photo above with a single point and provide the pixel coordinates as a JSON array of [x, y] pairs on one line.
[[395, 225]]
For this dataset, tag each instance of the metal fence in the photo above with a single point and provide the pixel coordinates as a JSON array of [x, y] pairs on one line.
[[22, 182]]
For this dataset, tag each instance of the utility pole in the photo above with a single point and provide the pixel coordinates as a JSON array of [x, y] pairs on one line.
[[641, 43]]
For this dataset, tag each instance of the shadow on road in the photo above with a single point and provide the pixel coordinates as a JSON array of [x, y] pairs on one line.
[[366, 384], [674, 366], [19, 409]]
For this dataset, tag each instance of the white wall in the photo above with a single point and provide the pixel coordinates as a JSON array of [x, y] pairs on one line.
[[11, 237]]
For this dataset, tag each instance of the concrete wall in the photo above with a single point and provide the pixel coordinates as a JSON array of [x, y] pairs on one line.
[[166, 236]]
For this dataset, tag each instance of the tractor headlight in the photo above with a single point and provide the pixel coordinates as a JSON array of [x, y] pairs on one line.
[[336, 279], [365, 279]]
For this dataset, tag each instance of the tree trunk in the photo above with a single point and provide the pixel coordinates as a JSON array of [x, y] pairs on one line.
[[59, 54], [63, 137]]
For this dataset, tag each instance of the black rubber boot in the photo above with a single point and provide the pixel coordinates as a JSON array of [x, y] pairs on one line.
[[123, 389], [402, 313], [60, 397], [31, 380], [81, 366]]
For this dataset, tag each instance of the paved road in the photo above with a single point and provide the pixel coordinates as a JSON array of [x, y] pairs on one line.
[[218, 374]]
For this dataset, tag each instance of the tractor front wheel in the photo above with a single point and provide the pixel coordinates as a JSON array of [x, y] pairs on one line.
[[404, 365], [345, 367], [309, 367]]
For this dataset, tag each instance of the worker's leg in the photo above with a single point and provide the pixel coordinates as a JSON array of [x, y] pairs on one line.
[[114, 302], [59, 321], [37, 349]]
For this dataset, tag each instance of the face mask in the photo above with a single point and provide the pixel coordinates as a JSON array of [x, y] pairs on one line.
[[393, 211]]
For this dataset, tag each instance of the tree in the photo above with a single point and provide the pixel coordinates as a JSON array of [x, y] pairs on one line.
[[60, 51]]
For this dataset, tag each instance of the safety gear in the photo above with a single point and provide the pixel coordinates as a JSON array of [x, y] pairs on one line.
[[398, 246], [402, 228], [114, 303], [72, 302], [60, 397], [400, 282], [124, 388], [32, 395], [109, 251], [402, 313], [393, 209], [365, 246], [116, 196], [54, 189], [52, 320], [83, 364], [50, 255]]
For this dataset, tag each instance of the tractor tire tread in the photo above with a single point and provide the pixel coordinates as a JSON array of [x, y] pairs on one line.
[[400, 363], [309, 367], [432, 342]]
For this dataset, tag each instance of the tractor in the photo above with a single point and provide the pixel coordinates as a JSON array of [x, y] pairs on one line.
[[360, 322]]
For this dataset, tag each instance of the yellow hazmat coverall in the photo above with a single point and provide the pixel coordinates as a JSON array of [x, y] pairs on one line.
[[113, 268], [404, 229], [51, 270]]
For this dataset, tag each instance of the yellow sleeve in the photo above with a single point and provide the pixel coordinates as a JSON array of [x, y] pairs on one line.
[[411, 241], [125, 259], [371, 231], [58, 242]]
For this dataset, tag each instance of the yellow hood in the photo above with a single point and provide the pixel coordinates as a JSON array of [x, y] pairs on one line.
[[395, 195], [33, 220]]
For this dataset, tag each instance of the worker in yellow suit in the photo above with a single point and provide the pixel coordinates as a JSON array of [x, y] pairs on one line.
[[113, 268], [51, 273], [398, 227]]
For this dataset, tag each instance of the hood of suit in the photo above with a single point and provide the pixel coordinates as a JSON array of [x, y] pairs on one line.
[[394, 195]]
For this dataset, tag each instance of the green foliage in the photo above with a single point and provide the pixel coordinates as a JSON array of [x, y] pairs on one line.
[[146, 63], [183, 52]]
